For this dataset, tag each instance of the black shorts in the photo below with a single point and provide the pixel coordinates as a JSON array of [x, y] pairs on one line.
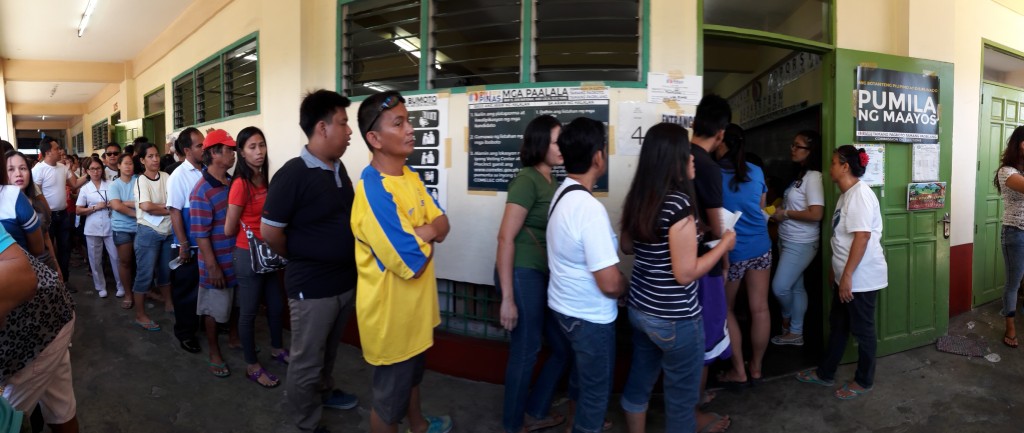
[[392, 387]]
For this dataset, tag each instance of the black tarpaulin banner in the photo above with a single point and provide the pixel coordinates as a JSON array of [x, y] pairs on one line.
[[894, 106]]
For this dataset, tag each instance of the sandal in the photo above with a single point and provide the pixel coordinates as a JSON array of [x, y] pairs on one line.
[[716, 422], [543, 423], [256, 375], [723, 380], [847, 393], [1010, 342], [149, 326], [810, 376], [128, 303], [219, 370], [283, 356]]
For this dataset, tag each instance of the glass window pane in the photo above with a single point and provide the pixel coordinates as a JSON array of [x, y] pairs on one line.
[[807, 19], [240, 73], [476, 42], [381, 46], [585, 40], [184, 102], [154, 102], [208, 92]]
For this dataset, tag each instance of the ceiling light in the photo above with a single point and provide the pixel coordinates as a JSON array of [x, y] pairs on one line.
[[42, 117], [407, 46], [89, 8]]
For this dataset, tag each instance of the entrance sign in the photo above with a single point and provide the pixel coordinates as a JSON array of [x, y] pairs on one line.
[[894, 106], [428, 115], [498, 118]]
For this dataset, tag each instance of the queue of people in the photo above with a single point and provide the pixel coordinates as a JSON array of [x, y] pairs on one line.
[[216, 231]]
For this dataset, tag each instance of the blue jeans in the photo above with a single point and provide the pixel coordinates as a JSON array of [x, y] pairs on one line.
[[1013, 257], [530, 291], [593, 350], [253, 287], [788, 284], [152, 252], [675, 347]]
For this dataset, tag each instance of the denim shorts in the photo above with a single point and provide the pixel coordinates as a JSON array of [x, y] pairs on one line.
[[121, 238]]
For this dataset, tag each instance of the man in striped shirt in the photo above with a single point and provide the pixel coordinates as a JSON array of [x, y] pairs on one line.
[[209, 207]]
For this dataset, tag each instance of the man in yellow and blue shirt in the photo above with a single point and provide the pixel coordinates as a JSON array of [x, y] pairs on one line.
[[395, 223]]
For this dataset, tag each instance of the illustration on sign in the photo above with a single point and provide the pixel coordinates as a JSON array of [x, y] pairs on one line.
[[894, 106], [498, 118], [428, 116], [928, 195]]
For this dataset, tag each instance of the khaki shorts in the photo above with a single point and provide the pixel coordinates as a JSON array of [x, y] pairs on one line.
[[215, 303], [46, 380]]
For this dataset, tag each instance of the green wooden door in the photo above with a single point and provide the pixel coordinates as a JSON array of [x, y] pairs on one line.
[[914, 309], [1002, 110]]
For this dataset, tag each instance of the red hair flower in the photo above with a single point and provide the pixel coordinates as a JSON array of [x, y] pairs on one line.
[[864, 158]]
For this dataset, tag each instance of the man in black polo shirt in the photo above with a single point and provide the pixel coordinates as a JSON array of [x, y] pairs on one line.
[[306, 219], [713, 115]]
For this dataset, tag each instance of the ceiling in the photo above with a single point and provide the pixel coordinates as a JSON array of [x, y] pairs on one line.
[[117, 31]]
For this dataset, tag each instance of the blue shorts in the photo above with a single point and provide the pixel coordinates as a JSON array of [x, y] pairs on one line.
[[121, 238]]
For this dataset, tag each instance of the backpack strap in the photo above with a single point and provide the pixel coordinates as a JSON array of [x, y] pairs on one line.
[[565, 191]]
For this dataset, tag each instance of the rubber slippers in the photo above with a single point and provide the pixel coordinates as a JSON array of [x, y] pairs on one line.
[[847, 393], [128, 303], [727, 383], [219, 370], [810, 376], [716, 422], [255, 377], [540, 424], [1010, 342], [149, 326]]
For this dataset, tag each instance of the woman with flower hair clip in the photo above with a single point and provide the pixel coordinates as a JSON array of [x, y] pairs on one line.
[[859, 272]]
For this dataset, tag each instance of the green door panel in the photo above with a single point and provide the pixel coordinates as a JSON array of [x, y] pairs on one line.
[[914, 309], [1001, 112]]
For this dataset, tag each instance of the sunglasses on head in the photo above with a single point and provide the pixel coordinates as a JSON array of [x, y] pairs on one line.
[[389, 102]]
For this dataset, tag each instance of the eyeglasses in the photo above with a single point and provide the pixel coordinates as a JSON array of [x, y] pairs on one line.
[[111, 153], [794, 146], [389, 102], [94, 168]]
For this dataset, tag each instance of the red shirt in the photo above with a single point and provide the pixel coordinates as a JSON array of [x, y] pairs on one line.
[[250, 198]]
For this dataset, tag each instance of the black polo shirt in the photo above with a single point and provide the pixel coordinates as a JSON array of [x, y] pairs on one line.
[[313, 203], [707, 183]]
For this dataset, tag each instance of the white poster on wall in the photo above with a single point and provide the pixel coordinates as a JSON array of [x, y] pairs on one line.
[[926, 162], [635, 118], [875, 173], [684, 90], [429, 117]]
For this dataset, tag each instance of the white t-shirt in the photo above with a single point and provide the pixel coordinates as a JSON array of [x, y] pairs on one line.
[[98, 223], [858, 211], [580, 242], [179, 187], [52, 180], [110, 174], [802, 194]]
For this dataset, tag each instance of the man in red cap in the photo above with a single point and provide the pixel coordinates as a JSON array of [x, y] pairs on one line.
[[208, 212]]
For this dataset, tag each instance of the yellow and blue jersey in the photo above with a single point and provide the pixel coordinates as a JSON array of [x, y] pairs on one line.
[[396, 313]]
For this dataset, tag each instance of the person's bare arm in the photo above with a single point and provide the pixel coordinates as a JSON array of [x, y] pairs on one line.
[[213, 272], [17, 279], [435, 231], [682, 243], [36, 244], [154, 209], [626, 244], [275, 238], [511, 223], [813, 213], [232, 221], [715, 221], [857, 249], [123, 207], [181, 233], [610, 281]]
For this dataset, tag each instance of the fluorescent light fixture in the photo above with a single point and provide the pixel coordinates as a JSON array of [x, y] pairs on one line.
[[407, 46], [89, 8], [374, 86]]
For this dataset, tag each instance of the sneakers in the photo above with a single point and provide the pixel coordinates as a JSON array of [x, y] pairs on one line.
[[340, 400], [103, 293], [780, 340], [438, 424]]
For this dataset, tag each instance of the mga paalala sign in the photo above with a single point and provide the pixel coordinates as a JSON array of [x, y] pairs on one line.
[[895, 106]]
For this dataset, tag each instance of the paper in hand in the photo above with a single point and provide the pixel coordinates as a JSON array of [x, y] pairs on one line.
[[729, 220]]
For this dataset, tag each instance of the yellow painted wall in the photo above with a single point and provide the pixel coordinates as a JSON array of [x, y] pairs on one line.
[[6, 121]]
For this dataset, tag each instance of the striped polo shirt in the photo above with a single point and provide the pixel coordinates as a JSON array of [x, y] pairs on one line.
[[653, 288], [209, 211]]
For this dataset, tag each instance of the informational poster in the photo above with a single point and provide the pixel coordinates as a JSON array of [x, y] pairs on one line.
[[927, 195], [926, 162], [498, 118], [684, 90], [875, 173], [894, 106], [429, 117], [635, 118]]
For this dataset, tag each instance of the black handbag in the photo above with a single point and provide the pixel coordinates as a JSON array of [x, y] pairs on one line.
[[264, 260]]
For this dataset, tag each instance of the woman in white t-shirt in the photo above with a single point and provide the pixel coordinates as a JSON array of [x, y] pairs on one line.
[[1010, 182], [799, 218], [93, 202], [859, 271]]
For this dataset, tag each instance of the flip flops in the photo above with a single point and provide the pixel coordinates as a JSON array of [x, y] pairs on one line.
[[1010, 342], [810, 376], [847, 393], [219, 370], [149, 326], [540, 424], [127, 303]]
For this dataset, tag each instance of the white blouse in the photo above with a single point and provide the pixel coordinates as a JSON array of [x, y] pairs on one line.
[[97, 223]]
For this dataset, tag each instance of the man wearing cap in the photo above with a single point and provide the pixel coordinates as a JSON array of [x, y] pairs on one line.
[[208, 212], [185, 279], [397, 224], [305, 219]]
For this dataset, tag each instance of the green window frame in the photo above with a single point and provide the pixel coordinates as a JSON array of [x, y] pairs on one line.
[[150, 101], [100, 134], [543, 49], [222, 86]]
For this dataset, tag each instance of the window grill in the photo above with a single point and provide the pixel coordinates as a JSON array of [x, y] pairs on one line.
[[470, 309], [100, 134], [587, 40], [240, 80], [208, 89], [184, 102], [227, 85], [381, 46], [476, 42]]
